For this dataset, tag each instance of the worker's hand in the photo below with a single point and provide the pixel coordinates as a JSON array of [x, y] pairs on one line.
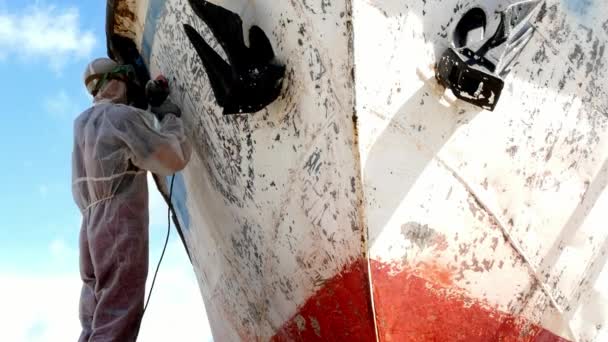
[[157, 91], [168, 107]]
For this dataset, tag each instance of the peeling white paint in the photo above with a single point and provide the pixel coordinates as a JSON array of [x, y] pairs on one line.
[[281, 200]]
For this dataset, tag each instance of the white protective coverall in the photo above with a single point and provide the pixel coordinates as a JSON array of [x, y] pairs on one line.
[[114, 145]]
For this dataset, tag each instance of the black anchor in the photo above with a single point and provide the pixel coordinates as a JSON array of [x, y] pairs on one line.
[[475, 70], [253, 79]]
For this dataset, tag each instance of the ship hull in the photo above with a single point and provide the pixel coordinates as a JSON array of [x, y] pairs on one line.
[[366, 203]]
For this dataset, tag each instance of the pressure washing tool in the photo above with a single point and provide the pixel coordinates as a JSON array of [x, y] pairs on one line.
[[157, 91]]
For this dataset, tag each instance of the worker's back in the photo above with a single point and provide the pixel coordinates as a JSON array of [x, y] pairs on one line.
[[101, 158], [114, 145]]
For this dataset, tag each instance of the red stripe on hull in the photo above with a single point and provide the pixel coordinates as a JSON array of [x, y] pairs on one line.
[[339, 311], [424, 306], [412, 306]]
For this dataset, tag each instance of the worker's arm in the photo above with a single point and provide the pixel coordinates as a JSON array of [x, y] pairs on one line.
[[174, 152], [163, 151]]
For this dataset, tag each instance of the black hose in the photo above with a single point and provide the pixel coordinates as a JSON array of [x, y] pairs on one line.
[[160, 260]]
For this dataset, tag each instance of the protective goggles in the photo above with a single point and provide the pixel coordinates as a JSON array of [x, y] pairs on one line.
[[125, 73]]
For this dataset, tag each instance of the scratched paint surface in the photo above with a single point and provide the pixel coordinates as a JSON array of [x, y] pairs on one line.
[[272, 197], [497, 216], [511, 203]]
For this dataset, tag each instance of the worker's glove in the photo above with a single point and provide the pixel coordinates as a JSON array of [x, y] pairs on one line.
[[168, 107], [157, 91]]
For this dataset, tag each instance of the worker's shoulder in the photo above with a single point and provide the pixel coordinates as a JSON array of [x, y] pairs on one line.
[[120, 112], [117, 114], [84, 116]]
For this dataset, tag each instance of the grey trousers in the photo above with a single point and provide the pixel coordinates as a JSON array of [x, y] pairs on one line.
[[113, 268]]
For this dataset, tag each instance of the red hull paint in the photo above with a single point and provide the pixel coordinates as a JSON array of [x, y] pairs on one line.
[[425, 306], [339, 311], [415, 306]]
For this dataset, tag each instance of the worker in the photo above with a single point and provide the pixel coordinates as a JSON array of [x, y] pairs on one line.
[[114, 147]]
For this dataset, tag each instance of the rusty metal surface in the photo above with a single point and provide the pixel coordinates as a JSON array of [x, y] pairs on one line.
[[125, 18]]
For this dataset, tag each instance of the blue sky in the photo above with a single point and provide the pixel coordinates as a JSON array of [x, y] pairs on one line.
[[43, 93], [44, 47]]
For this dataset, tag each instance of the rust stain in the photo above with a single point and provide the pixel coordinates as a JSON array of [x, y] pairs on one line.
[[124, 18], [124, 11]]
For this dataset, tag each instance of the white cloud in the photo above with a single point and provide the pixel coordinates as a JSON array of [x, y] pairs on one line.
[[44, 191], [176, 311], [39, 308], [61, 106], [45, 307], [59, 249], [157, 206], [45, 32]]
